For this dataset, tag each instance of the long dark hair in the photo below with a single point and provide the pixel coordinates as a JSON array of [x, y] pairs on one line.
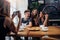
[[32, 13], [2, 11], [35, 17], [1, 6]]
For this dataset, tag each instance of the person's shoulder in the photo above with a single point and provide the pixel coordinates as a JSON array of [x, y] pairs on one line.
[[30, 19], [8, 19], [22, 18]]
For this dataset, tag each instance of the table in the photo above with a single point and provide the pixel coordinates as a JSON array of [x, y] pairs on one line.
[[23, 33], [52, 31]]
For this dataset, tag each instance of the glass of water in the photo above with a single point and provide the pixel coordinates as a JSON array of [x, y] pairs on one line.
[[22, 26]]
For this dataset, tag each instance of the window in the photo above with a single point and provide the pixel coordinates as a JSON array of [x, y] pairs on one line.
[[12, 6]]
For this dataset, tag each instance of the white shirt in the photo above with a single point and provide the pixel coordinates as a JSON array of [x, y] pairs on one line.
[[16, 20]]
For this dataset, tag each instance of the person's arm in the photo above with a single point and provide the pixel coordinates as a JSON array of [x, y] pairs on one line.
[[13, 15], [19, 23], [46, 20], [30, 24], [9, 23]]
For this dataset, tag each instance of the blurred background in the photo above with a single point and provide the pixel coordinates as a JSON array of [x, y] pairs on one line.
[[49, 6]]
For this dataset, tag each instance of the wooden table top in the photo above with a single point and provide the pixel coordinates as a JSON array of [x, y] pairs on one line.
[[52, 30], [23, 33]]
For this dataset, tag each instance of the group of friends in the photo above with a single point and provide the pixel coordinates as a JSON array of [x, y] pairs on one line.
[[31, 19]]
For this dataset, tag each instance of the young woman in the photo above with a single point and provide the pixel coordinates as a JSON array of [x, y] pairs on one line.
[[16, 17], [43, 18], [34, 17], [6, 24], [35, 21]]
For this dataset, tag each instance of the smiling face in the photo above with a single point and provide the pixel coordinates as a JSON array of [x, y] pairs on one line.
[[27, 14], [34, 11], [41, 14]]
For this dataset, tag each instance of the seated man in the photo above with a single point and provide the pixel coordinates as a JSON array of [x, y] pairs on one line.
[[26, 20]]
